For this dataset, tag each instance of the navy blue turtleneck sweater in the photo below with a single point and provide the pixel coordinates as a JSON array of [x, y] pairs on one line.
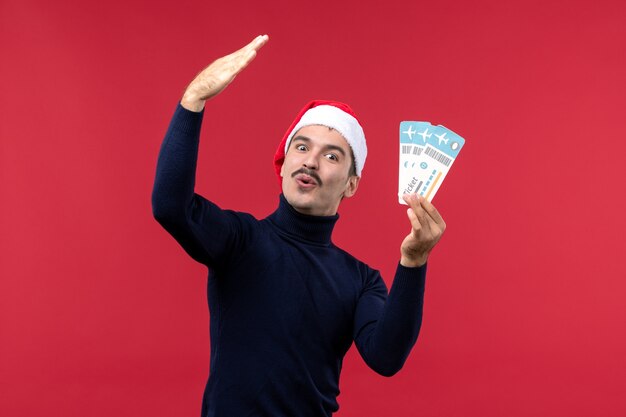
[[285, 303]]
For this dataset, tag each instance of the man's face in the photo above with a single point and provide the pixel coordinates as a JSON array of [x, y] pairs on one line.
[[316, 171]]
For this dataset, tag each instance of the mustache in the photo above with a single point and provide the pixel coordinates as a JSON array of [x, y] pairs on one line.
[[310, 173]]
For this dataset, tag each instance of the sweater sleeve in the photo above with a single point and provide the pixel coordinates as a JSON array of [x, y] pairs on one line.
[[385, 331], [207, 233]]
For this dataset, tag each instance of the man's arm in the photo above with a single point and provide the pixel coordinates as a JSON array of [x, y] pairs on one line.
[[386, 327], [386, 330], [192, 220]]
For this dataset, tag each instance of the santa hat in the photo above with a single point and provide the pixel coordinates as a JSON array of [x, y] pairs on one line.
[[333, 114]]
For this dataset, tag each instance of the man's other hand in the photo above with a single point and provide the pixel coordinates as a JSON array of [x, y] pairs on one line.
[[214, 78], [427, 226]]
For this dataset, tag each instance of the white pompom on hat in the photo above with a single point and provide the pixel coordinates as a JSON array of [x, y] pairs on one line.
[[334, 114]]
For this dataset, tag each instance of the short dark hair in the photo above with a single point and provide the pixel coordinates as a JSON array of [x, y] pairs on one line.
[[352, 171]]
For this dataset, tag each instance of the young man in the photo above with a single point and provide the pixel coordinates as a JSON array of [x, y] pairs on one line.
[[285, 302]]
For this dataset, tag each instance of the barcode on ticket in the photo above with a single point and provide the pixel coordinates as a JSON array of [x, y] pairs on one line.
[[412, 150], [438, 156]]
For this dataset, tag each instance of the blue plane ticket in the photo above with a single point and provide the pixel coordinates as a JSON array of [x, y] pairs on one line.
[[426, 154]]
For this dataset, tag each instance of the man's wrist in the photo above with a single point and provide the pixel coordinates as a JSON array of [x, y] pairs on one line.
[[192, 102], [413, 262]]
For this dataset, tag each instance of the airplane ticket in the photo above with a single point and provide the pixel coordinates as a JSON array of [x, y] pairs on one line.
[[426, 154]]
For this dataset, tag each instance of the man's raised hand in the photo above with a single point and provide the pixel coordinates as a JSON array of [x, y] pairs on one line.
[[214, 78], [427, 226]]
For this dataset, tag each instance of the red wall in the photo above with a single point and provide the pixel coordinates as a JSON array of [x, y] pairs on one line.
[[101, 313]]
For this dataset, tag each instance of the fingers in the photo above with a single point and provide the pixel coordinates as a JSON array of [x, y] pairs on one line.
[[425, 212], [417, 215], [427, 227], [250, 49], [241, 58], [433, 213], [256, 43], [259, 41]]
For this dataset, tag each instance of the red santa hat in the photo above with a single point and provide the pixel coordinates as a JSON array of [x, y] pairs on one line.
[[333, 114]]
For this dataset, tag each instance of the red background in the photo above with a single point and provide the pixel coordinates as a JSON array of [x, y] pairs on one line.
[[101, 313]]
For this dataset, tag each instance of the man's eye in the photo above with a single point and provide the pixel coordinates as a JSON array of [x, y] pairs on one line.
[[301, 147], [332, 157]]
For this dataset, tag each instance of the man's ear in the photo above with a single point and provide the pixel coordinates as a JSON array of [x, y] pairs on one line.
[[351, 186], [282, 169]]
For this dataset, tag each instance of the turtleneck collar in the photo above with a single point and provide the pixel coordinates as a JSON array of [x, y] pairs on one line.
[[313, 229]]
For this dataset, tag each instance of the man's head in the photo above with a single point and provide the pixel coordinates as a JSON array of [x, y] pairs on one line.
[[321, 157]]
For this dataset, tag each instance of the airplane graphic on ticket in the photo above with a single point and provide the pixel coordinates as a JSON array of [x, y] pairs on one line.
[[426, 154]]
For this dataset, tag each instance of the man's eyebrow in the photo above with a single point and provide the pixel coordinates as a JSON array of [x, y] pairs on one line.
[[302, 138], [336, 148], [331, 147]]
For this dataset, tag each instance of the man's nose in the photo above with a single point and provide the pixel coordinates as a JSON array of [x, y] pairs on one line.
[[311, 161]]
